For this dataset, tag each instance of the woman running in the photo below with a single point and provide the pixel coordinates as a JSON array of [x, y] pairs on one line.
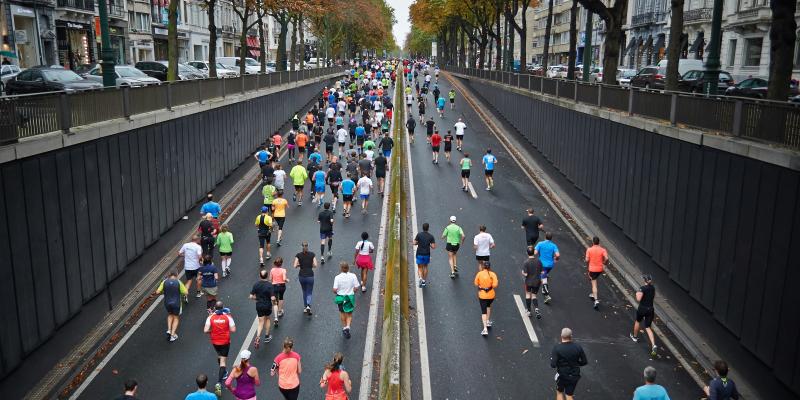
[[486, 282], [363, 258], [225, 244], [344, 286], [336, 379], [278, 277], [287, 365], [306, 261], [290, 144], [246, 377]]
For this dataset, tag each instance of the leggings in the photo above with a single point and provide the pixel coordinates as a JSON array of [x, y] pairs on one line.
[[307, 283], [290, 150], [290, 394]]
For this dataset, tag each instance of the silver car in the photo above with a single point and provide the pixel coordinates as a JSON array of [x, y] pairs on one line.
[[127, 75], [222, 71], [7, 72]]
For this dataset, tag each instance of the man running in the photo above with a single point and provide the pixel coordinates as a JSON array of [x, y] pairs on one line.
[[279, 206], [263, 156], [466, 165], [191, 253], [330, 139], [299, 174], [411, 124], [386, 143], [173, 289], [460, 127], [486, 281], [341, 138], [325, 220], [488, 161], [268, 191], [482, 243], [440, 103], [448, 145], [532, 225], [596, 258], [645, 313], [210, 207], [364, 187], [452, 96], [348, 189], [435, 140], [430, 127], [219, 326], [453, 235], [567, 358], [264, 225], [532, 271], [380, 170], [319, 177], [548, 255], [425, 242], [421, 107], [334, 180], [301, 140]]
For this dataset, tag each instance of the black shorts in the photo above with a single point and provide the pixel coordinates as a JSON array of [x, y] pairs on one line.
[[410, 131], [488, 172], [452, 101], [453, 248], [278, 290], [347, 198], [173, 308], [465, 173], [531, 240], [460, 137], [448, 148], [280, 221], [264, 311], [532, 289], [335, 190], [593, 275], [301, 149], [226, 253], [435, 149], [482, 258], [645, 316], [485, 304], [264, 240], [380, 174], [329, 149], [190, 274], [298, 187], [222, 349], [567, 385]]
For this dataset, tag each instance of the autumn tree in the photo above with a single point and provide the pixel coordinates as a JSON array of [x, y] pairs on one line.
[[245, 10], [210, 7], [614, 17]]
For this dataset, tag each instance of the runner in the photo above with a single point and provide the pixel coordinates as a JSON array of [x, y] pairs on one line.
[[341, 138], [460, 127], [364, 187], [306, 261], [301, 140], [246, 377], [435, 140], [344, 286], [330, 139], [279, 177], [486, 282], [425, 242], [651, 390], [452, 96], [209, 275], [465, 164], [191, 253], [421, 106], [722, 387], [287, 365], [277, 275], [219, 326], [309, 119], [645, 313], [532, 225], [453, 235], [263, 156], [386, 144], [380, 169], [268, 191], [488, 161], [264, 297], [201, 393], [172, 289], [596, 258], [319, 177], [264, 224], [409, 99], [291, 137], [348, 189], [361, 135], [567, 358], [334, 180], [210, 206], [548, 255], [363, 258], [279, 206], [325, 220], [336, 379], [430, 128], [208, 233], [440, 103], [532, 271], [448, 145], [482, 243], [299, 174], [411, 124]]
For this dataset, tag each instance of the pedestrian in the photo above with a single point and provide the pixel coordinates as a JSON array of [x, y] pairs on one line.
[[363, 258], [721, 387], [348, 190], [548, 254], [341, 138], [219, 325], [278, 277], [334, 180], [460, 127], [386, 144], [301, 139], [411, 124], [210, 206], [596, 258], [453, 235], [331, 138], [246, 377], [440, 103], [131, 387], [425, 242], [448, 145], [225, 244], [201, 393], [263, 223], [482, 243], [488, 161], [306, 261], [364, 187], [650, 390], [209, 275], [435, 140], [336, 379], [264, 297], [191, 253], [532, 225], [645, 313], [430, 128], [421, 106], [208, 233], [344, 286], [173, 290], [532, 271], [486, 282], [325, 220], [466, 165], [279, 206], [288, 367], [263, 156], [567, 358]]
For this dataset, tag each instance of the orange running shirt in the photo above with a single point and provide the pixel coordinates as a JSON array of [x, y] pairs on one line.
[[486, 279], [301, 140], [596, 256]]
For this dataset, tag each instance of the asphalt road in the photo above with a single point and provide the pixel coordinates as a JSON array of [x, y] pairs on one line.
[[507, 364]]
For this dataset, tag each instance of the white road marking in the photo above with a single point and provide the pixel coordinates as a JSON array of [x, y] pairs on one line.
[[526, 320], [247, 339], [472, 190]]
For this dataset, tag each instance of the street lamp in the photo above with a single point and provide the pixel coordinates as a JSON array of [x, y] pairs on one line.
[[712, 63], [106, 52]]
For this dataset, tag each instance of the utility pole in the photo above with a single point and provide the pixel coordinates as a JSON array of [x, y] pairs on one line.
[[587, 47], [712, 63], [106, 52]]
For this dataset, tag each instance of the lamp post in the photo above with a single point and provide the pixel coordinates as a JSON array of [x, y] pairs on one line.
[[106, 52], [587, 47], [712, 62]]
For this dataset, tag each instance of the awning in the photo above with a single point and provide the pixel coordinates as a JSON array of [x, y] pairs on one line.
[[253, 46], [698, 43], [631, 49], [649, 42], [659, 42]]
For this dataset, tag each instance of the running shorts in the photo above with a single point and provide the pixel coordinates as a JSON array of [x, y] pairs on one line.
[[485, 304], [593, 275], [174, 308], [364, 196], [364, 261], [190, 274], [423, 260], [532, 289], [488, 172], [460, 137], [435, 149], [421, 112], [448, 147], [301, 149], [278, 290], [335, 190], [222, 349], [387, 153], [452, 101], [280, 221], [465, 173], [545, 272], [566, 384], [264, 240], [264, 311], [347, 197], [531, 240], [298, 187], [226, 253], [482, 258], [645, 316], [325, 235], [380, 173], [451, 247], [211, 291], [329, 149], [319, 188]]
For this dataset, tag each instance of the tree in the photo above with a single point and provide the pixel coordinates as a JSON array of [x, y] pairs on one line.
[[172, 41], [520, 28], [547, 29], [244, 9], [573, 39], [210, 7], [782, 36], [675, 42], [293, 48], [614, 17], [261, 13], [302, 39]]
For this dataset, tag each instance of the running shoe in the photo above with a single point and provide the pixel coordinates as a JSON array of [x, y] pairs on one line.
[[455, 269], [634, 338], [488, 188], [218, 389], [538, 314], [330, 254], [300, 203], [280, 314], [267, 338], [591, 296], [276, 321], [228, 270], [484, 332], [653, 351], [364, 289], [547, 299], [596, 305], [489, 323], [199, 294], [322, 260], [185, 299], [278, 243], [309, 310], [294, 197], [452, 275], [173, 338], [421, 284], [269, 256], [169, 335], [528, 312]]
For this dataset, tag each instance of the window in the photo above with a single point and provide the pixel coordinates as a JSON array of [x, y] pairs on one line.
[[752, 52], [796, 64], [731, 52], [131, 20]]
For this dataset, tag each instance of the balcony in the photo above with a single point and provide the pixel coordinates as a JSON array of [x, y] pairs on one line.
[[117, 11], [760, 16], [83, 5], [648, 18], [697, 15]]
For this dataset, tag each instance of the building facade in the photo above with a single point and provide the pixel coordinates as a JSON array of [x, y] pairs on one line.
[[646, 32], [28, 32]]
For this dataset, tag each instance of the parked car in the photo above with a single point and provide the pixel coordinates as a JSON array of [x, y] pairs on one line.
[[695, 81], [251, 66], [624, 76], [650, 77], [757, 89], [203, 74], [7, 72], [48, 79], [158, 70], [127, 75], [222, 70], [684, 65], [557, 71], [595, 74]]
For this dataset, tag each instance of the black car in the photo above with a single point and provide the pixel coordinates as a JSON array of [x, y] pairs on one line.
[[651, 77], [48, 79], [756, 88], [158, 70], [695, 81]]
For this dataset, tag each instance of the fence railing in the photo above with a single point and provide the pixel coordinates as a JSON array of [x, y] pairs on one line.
[[772, 121], [30, 115]]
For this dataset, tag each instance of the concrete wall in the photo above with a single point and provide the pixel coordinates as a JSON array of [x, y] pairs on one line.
[[722, 225], [72, 219]]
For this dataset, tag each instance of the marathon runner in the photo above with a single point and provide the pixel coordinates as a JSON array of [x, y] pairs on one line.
[[363, 258], [263, 223], [191, 253], [335, 378], [210, 207], [334, 179], [452, 96], [290, 145], [425, 242], [302, 140], [596, 258], [482, 243], [209, 275], [465, 164], [448, 145], [430, 127], [440, 103], [348, 189], [344, 286], [277, 275], [411, 124], [219, 325], [246, 377], [486, 282], [548, 255], [380, 163], [325, 220], [532, 271], [279, 206], [421, 107], [306, 261], [172, 289], [299, 176], [279, 177], [532, 225], [341, 138], [453, 235], [319, 178], [460, 127], [364, 187], [645, 313], [488, 161], [264, 298]]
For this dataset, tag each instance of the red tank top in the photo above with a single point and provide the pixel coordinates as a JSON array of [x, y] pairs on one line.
[[335, 383], [220, 329]]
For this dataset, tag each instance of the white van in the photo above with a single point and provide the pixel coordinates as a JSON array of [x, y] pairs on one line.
[[251, 66], [684, 65]]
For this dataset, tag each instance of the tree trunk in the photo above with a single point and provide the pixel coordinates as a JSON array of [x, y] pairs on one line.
[[505, 43], [280, 59], [675, 42], [212, 39], [523, 38], [462, 61], [262, 56], [511, 43], [243, 47], [172, 41], [302, 40], [782, 36], [547, 29], [482, 48], [498, 58], [614, 19], [293, 49], [573, 39]]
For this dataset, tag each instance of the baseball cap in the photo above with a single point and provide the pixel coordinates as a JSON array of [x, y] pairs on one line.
[[245, 355], [647, 277], [264, 209], [452, 218]]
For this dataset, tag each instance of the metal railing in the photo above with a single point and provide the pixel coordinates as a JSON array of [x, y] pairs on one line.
[[697, 15], [30, 115], [771, 121], [87, 5]]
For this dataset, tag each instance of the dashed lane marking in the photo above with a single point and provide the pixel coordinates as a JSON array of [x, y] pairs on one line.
[[526, 320]]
